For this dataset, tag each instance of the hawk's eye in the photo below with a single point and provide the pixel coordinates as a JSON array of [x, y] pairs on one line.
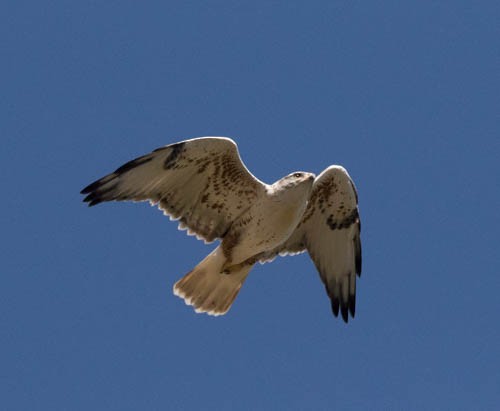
[[297, 175]]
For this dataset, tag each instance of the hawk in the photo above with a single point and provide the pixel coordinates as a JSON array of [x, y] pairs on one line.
[[204, 185]]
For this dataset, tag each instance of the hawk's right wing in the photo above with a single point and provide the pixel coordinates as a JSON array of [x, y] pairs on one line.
[[330, 232]]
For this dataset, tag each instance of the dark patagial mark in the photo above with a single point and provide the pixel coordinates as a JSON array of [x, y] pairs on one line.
[[345, 223], [177, 149], [133, 163], [331, 223]]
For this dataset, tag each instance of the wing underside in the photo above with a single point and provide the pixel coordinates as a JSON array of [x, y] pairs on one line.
[[330, 232], [201, 182]]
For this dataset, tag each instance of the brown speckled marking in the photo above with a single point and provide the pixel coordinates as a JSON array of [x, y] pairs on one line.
[[222, 180], [224, 188], [230, 241], [318, 196], [202, 167]]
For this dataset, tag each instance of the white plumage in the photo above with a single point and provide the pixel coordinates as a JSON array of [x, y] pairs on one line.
[[203, 183]]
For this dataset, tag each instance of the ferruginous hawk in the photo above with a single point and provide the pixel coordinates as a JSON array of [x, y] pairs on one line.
[[204, 184]]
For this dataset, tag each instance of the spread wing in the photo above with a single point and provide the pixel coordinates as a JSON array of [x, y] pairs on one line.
[[201, 182], [330, 232]]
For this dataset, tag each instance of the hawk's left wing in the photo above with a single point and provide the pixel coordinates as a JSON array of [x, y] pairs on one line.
[[201, 182], [330, 232]]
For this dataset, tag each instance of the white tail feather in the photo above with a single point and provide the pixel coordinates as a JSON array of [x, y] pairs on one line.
[[208, 289]]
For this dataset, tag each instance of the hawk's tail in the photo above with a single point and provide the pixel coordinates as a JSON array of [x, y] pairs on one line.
[[208, 289]]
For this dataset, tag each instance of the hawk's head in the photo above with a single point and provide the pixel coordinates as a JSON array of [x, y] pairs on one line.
[[295, 185]]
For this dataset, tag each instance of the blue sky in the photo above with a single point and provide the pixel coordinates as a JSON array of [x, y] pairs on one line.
[[405, 95]]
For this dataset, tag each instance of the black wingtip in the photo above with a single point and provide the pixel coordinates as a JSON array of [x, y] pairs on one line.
[[335, 306], [95, 185], [98, 191], [343, 307], [177, 150], [133, 164], [352, 305], [345, 312], [88, 189], [92, 199]]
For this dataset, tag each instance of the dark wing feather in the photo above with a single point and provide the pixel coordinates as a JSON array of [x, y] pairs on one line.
[[201, 182]]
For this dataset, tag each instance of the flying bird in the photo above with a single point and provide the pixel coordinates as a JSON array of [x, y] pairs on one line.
[[204, 185]]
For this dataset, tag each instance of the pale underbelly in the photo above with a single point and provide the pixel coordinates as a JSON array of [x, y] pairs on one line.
[[267, 233]]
